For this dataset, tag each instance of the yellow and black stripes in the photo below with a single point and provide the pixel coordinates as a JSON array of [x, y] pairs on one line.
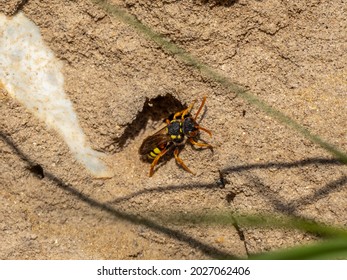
[[176, 137], [153, 154], [175, 134], [173, 137]]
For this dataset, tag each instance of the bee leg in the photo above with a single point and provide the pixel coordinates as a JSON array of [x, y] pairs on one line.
[[180, 161], [155, 161], [199, 144], [178, 114], [184, 112], [206, 130]]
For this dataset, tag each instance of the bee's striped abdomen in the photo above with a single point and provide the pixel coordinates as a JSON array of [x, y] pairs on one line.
[[154, 153]]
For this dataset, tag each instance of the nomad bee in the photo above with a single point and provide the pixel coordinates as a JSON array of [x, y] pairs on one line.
[[180, 128]]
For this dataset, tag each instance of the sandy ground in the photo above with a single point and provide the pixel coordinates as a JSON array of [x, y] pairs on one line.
[[291, 54]]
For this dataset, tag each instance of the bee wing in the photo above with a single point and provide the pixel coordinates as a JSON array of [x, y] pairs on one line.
[[156, 140]]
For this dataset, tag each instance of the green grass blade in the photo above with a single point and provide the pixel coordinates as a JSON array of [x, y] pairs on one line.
[[333, 248], [255, 221], [209, 72], [206, 70], [330, 249]]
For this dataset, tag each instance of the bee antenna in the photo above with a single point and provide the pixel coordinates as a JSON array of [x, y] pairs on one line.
[[202, 105]]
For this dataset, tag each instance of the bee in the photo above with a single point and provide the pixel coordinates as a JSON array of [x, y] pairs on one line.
[[179, 128]]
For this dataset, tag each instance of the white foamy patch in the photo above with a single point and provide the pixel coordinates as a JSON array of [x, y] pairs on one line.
[[30, 72]]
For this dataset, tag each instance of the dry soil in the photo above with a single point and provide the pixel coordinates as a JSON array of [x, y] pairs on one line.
[[291, 54]]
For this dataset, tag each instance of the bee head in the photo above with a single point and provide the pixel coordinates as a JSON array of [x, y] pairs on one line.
[[190, 127]]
